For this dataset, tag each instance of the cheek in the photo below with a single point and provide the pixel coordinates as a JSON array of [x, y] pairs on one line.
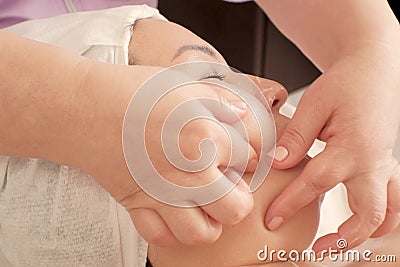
[[244, 240], [253, 131], [298, 232], [239, 244]]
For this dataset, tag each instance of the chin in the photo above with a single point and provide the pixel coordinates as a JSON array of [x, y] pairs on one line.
[[239, 244], [297, 233]]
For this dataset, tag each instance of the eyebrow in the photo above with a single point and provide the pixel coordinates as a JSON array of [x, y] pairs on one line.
[[201, 48]]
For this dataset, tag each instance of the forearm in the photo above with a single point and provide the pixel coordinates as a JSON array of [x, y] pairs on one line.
[[58, 106], [38, 84], [327, 31]]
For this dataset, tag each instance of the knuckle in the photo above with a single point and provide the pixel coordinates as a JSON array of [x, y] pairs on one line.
[[198, 235], [394, 209], [376, 213], [316, 186], [158, 236], [323, 175], [203, 128], [376, 218], [294, 137], [237, 213], [192, 137]]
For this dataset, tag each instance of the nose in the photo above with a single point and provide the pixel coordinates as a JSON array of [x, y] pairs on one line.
[[274, 92]]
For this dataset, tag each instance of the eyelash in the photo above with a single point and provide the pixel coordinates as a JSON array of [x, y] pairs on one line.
[[218, 76]]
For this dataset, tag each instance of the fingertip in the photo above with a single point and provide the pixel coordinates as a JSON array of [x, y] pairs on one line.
[[391, 223], [272, 220], [152, 227], [246, 203], [232, 209], [281, 153], [213, 228], [215, 225], [245, 189], [392, 216], [202, 233], [274, 223], [296, 139], [295, 196], [252, 165], [325, 242], [239, 107], [285, 157], [253, 160], [354, 231]]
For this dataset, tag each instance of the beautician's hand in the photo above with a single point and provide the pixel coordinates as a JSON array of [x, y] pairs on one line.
[[58, 106], [156, 222], [200, 224], [354, 107]]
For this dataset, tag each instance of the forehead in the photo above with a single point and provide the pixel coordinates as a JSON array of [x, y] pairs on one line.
[[162, 43]]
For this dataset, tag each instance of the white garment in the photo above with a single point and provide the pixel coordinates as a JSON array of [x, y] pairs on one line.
[[52, 215]]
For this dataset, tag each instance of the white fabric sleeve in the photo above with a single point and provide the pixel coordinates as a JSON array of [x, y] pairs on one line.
[[53, 215]]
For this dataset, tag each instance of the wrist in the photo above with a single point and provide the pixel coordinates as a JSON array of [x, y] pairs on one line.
[[95, 144], [38, 83]]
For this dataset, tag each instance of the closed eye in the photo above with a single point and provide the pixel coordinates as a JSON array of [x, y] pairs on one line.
[[214, 75]]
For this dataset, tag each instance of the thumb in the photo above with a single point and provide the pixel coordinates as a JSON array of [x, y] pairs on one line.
[[230, 110], [300, 133]]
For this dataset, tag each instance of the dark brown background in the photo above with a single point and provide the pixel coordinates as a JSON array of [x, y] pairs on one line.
[[245, 37]]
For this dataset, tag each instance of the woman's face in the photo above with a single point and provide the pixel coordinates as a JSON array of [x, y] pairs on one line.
[[161, 43]]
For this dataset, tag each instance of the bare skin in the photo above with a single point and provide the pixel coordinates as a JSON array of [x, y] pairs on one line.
[[347, 44], [45, 112], [239, 244]]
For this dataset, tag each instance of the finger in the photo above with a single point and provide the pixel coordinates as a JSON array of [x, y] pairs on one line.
[[329, 240], [392, 217], [233, 141], [235, 205], [235, 156], [232, 203], [316, 178], [231, 108], [230, 147], [300, 132], [367, 197], [190, 226], [367, 200], [152, 227]]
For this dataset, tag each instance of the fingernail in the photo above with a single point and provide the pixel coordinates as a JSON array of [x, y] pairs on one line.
[[252, 164], [275, 223], [281, 153], [243, 186], [239, 105], [237, 179], [323, 247]]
